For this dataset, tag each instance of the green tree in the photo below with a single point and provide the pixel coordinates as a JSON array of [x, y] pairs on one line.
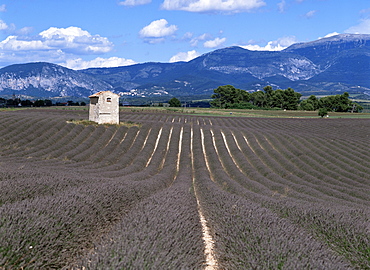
[[337, 103], [269, 96], [310, 104], [343, 102], [306, 106], [26, 103], [323, 112], [174, 102], [258, 98], [227, 96], [283, 99], [356, 108], [278, 99], [314, 101], [291, 99], [39, 103]]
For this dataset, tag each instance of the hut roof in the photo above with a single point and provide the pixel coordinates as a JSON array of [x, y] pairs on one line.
[[102, 92]]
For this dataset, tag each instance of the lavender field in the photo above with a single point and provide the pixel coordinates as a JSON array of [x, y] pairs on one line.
[[183, 192]]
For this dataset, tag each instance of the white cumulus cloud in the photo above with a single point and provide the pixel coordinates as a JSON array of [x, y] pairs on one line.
[[158, 29], [14, 43], [3, 8], [132, 3], [70, 40], [214, 43], [75, 40], [184, 56], [79, 63], [230, 6], [276, 45], [52, 45], [362, 28]]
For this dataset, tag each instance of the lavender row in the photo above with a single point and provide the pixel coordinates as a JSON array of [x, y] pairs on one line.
[[317, 162], [334, 235], [247, 235], [299, 175], [48, 230], [162, 232]]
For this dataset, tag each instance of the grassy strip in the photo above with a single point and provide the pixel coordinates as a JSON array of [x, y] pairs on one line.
[[92, 123], [242, 113]]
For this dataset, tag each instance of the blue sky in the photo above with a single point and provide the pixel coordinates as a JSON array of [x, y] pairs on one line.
[[100, 33]]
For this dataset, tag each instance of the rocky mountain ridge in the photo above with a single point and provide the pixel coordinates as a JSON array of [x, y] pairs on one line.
[[325, 66], [46, 79]]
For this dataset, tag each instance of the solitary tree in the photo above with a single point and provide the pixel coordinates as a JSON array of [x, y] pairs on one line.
[[174, 102], [323, 112]]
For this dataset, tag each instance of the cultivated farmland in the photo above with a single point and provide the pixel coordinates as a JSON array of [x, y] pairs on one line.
[[183, 192]]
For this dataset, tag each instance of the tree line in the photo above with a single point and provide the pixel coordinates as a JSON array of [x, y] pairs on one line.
[[17, 102], [229, 97]]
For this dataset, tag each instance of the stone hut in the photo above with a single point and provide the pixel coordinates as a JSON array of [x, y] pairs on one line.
[[104, 108]]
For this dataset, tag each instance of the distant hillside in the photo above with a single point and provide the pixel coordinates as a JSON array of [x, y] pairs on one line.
[[325, 66], [48, 80]]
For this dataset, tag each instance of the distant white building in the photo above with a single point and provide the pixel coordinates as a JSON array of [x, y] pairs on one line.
[[104, 108]]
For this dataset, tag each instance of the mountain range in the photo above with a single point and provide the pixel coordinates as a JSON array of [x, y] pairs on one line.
[[326, 66]]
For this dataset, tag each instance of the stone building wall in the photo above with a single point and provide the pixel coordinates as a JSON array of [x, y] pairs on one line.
[[104, 108]]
